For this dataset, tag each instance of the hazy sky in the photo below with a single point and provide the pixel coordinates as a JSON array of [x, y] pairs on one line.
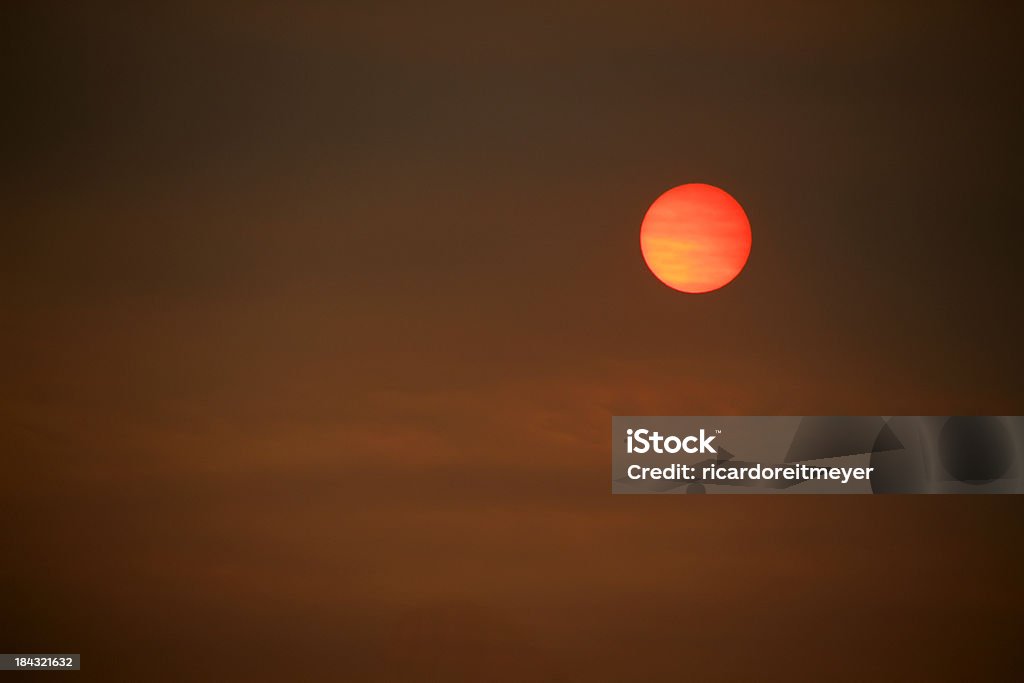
[[314, 318]]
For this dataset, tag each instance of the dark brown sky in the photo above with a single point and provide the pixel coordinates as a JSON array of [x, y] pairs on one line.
[[314, 318]]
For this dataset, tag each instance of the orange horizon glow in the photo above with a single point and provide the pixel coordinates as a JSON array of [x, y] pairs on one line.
[[695, 238]]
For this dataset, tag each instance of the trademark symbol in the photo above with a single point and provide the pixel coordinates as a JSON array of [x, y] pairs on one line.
[[718, 431]]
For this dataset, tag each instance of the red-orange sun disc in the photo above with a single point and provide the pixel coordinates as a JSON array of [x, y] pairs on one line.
[[695, 238]]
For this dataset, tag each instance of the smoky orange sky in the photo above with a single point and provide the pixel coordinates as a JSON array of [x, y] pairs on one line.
[[314, 318]]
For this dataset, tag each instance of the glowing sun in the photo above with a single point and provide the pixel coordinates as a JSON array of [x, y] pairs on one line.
[[695, 238]]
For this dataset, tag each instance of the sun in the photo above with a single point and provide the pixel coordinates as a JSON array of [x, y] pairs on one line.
[[695, 238]]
